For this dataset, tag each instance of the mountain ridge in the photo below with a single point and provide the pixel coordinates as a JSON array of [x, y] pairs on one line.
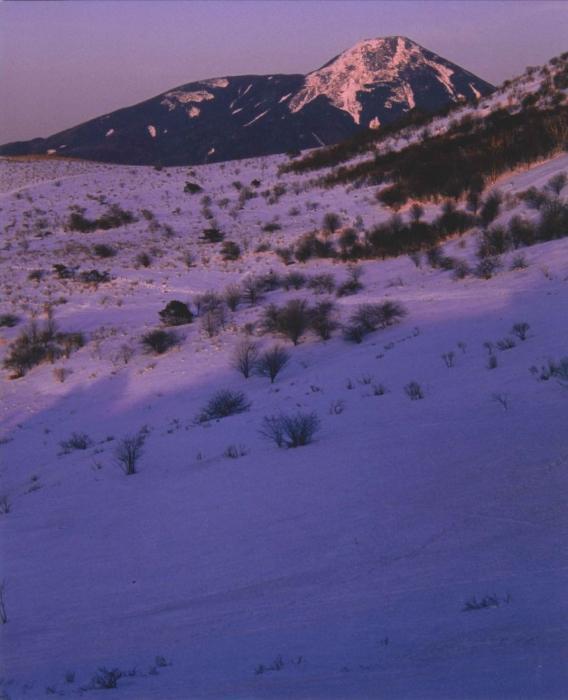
[[370, 84]]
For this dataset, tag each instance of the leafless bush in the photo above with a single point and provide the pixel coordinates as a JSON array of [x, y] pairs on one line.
[[353, 283], [235, 451], [106, 679], [245, 357], [271, 362], [213, 320], [502, 399], [370, 317], [252, 291], [129, 450], [294, 280], [77, 441], [159, 341], [322, 319], [223, 404], [290, 320], [414, 391], [320, 284], [521, 330], [506, 344], [60, 374], [519, 262], [290, 430], [208, 301], [233, 296], [449, 358], [125, 353]]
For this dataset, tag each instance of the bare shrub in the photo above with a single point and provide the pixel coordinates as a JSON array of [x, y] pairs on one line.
[[506, 344], [354, 333], [233, 296], [321, 284], [490, 208], [159, 341], [487, 267], [521, 330], [5, 505], [290, 430], [353, 283], [271, 362], [331, 222], [461, 269], [294, 280], [322, 319], [235, 451], [40, 343], [556, 183], [102, 250], [144, 259], [449, 358], [291, 320], [245, 357], [230, 250], [106, 679], [371, 317], [208, 301], [560, 369], [213, 320], [416, 258], [60, 374], [252, 291], [414, 391], [77, 441], [129, 450], [519, 262], [125, 353], [223, 404], [502, 399]]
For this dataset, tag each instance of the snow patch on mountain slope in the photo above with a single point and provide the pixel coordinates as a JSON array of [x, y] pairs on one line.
[[215, 82], [444, 74], [475, 92], [259, 116], [151, 130], [193, 112], [366, 65], [172, 99]]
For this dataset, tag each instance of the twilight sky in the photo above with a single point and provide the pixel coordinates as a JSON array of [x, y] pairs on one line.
[[62, 63]]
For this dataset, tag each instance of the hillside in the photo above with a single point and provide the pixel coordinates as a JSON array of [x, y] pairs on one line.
[[411, 549]]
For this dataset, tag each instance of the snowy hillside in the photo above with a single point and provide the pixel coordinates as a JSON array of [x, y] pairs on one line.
[[411, 549]]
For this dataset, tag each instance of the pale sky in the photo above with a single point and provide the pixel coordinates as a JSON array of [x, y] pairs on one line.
[[63, 63]]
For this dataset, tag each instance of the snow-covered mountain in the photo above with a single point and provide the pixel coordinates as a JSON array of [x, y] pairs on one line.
[[371, 84]]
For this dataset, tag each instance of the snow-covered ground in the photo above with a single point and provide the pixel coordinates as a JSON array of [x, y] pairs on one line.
[[340, 569]]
